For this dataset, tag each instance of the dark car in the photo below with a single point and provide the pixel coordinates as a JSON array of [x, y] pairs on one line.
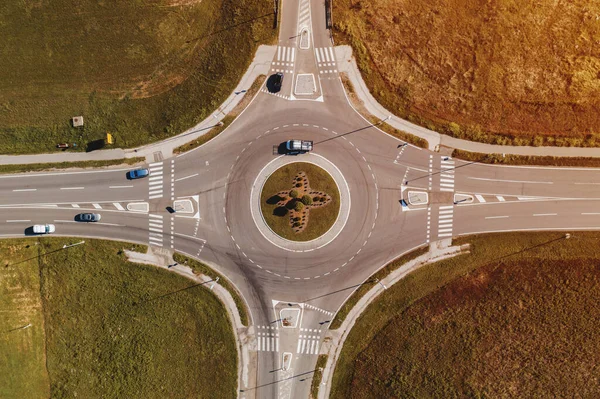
[[277, 81], [89, 217], [138, 173]]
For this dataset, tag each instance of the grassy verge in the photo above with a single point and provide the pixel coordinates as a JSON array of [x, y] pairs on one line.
[[497, 251], [141, 71], [510, 159], [449, 84], [382, 273], [23, 371], [320, 219], [201, 268], [38, 167], [317, 376], [116, 329], [227, 120], [392, 131]]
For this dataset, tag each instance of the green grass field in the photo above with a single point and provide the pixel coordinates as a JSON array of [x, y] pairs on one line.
[[116, 329], [142, 71], [320, 219], [515, 318], [22, 351]]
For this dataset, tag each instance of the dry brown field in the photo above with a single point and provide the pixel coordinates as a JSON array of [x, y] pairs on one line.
[[497, 71]]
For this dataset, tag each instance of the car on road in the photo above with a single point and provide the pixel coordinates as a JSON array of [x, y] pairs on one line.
[[295, 147], [138, 173], [43, 228], [277, 81], [89, 217]]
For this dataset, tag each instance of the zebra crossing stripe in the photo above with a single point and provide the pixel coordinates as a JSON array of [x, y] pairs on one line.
[[278, 53], [332, 54], [317, 55], [293, 54]]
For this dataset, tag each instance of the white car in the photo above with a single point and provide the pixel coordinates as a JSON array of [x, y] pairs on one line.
[[43, 228]]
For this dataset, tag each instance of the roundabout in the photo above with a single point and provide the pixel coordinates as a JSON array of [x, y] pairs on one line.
[[275, 231], [258, 246]]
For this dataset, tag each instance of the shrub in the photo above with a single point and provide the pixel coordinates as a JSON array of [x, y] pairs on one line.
[[306, 200], [294, 194], [299, 206], [316, 199], [298, 184]]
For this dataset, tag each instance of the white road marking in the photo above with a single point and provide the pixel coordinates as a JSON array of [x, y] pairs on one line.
[[512, 181], [120, 186], [187, 177], [71, 188], [155, 164], [155, 196], [545, 214], [25, 189], [118, 206], [586, 183], [500, 198], [97, 206], [155, 178], [17, 221], [75, 205], [591, 213], [479, 198], [156, 216], [496, 217]]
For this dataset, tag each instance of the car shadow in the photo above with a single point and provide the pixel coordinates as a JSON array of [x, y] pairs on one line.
[[271, 84], [281, 150], [29, 231]]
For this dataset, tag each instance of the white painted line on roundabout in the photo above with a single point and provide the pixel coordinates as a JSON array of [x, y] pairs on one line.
[[187, 177], [17, 221], [545, 214], [496, 217], [25, 189], [511, 181]]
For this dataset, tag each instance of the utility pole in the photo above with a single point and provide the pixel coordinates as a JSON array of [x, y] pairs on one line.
[[72, 245]]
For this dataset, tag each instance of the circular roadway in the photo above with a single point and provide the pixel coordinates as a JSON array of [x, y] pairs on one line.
[[276, 259]]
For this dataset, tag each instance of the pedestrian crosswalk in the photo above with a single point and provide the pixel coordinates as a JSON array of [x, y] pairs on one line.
[[155, 230], [155, 181], [325, 60], [308, 344], [267, 342], [446, 215], [447, 174], [284, 61]]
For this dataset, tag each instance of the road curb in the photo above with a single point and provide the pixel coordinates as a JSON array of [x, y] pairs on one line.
[[334, 340]]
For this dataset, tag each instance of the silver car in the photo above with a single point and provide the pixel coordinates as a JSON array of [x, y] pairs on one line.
[[89, 217]]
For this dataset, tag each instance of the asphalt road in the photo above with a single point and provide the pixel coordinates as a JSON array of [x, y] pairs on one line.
[[218, 177]]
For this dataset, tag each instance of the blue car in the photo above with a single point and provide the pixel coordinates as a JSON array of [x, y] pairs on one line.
[[138, 173]]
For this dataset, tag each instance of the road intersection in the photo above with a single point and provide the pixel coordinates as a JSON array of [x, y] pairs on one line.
[[214, 184]]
